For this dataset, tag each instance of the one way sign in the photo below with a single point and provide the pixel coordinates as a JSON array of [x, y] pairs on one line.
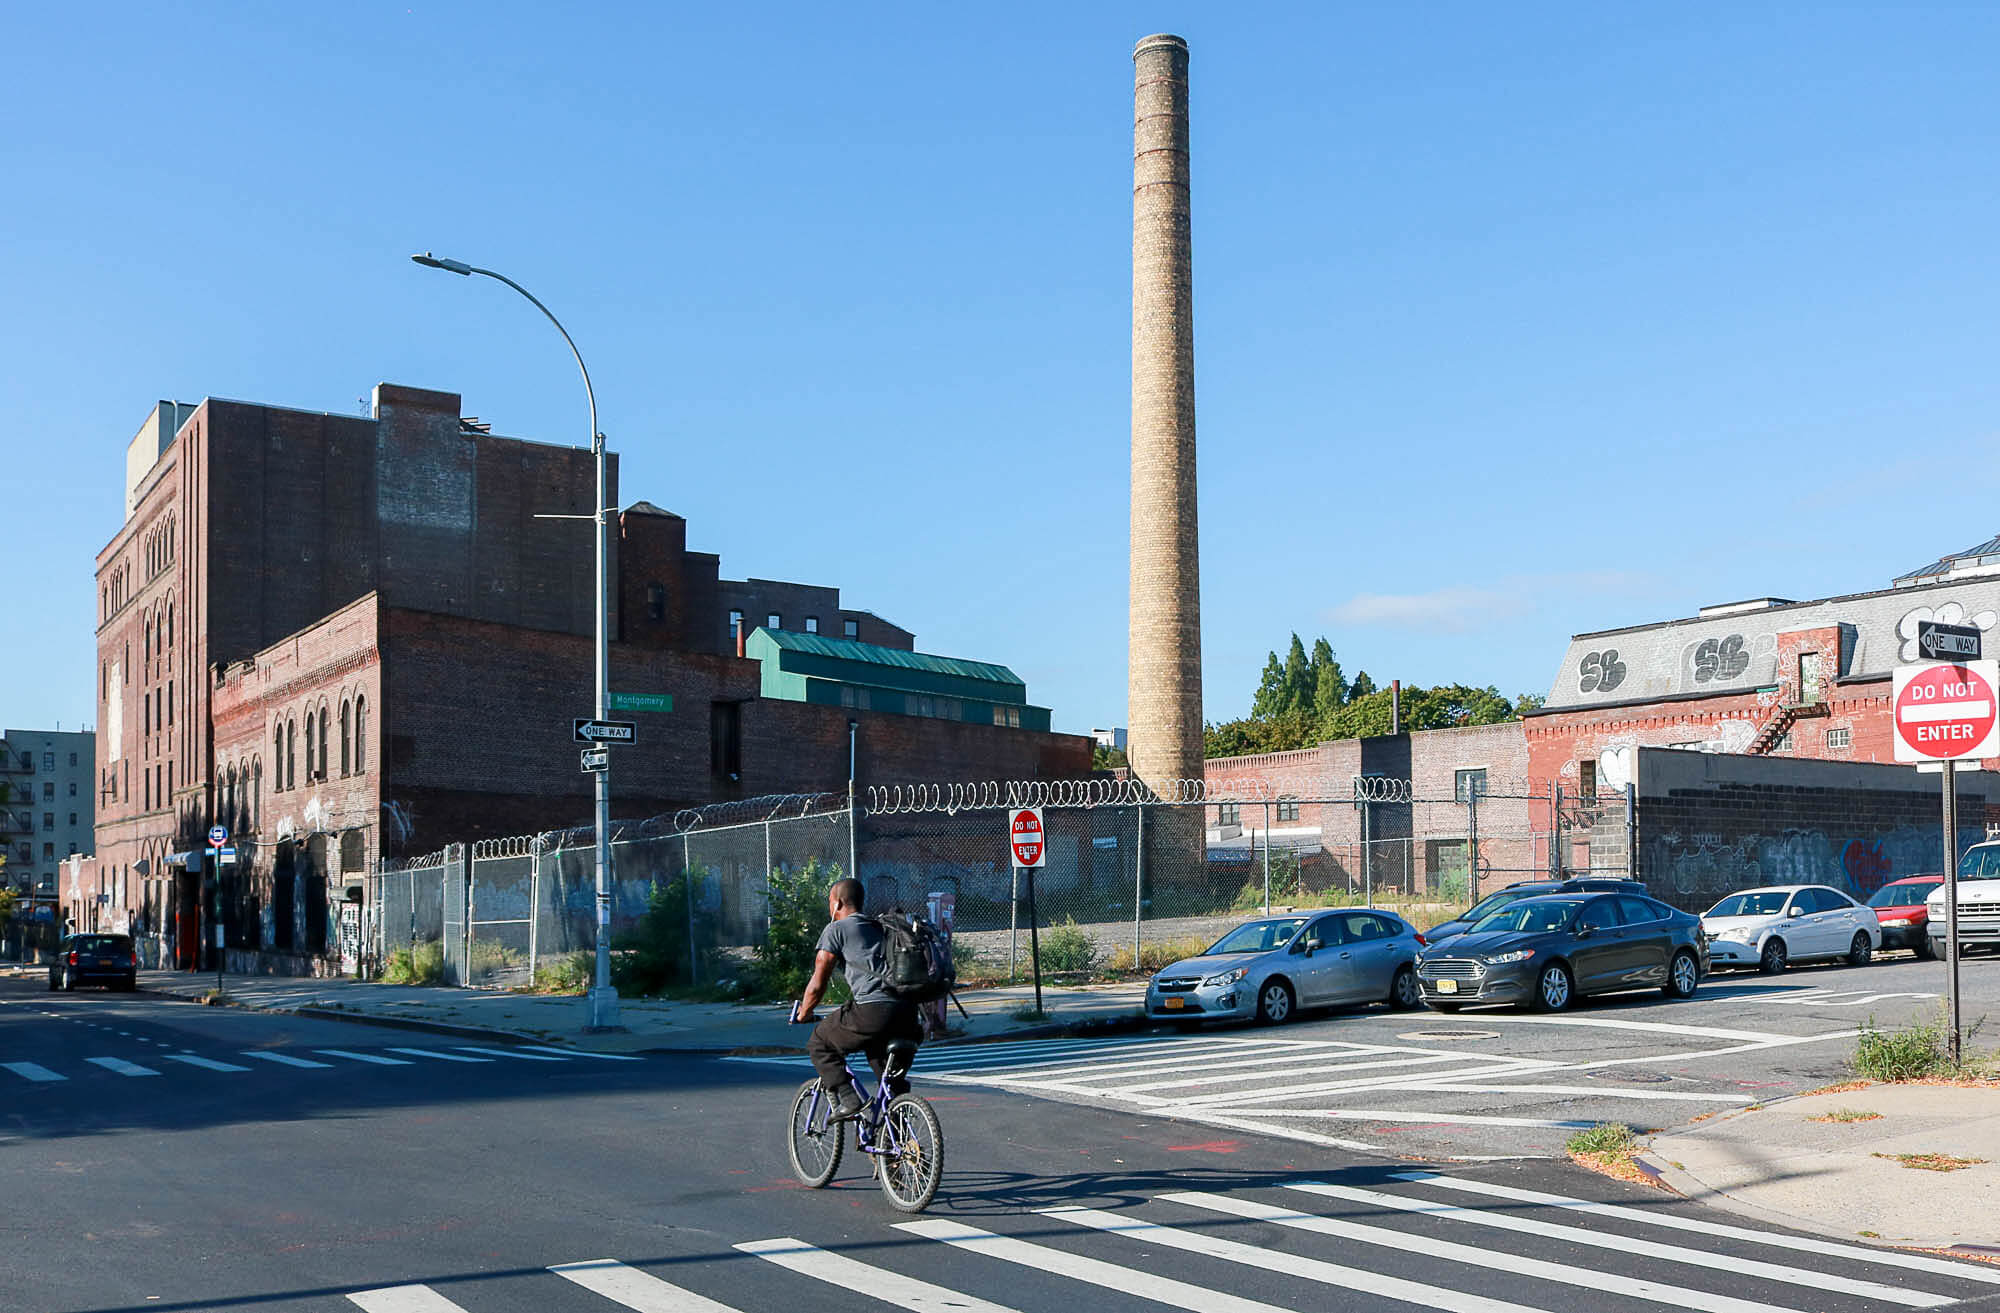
[[607, 731]]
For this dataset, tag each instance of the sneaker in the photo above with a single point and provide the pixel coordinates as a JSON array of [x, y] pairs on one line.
[[846, 1105]]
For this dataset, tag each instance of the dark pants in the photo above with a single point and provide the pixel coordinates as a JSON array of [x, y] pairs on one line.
[[860, 1027]]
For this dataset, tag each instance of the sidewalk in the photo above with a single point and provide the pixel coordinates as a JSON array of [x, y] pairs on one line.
[[1844, 1179], [653, 1026]]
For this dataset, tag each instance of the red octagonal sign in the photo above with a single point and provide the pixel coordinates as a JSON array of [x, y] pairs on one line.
[[1025, 836], [1947, 712]]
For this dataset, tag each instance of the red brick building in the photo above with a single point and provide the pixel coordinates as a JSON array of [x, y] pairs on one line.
[[347, 637]]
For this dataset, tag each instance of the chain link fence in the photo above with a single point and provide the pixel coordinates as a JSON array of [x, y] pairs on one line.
[[1131, 880]]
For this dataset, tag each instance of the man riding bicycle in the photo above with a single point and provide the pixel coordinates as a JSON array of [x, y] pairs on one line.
[[873, 1020]]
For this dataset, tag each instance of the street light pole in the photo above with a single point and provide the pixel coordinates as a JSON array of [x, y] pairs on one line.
[[602, 1013]]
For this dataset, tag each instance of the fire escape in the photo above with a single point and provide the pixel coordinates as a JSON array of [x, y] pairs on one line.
[[1781, 722]]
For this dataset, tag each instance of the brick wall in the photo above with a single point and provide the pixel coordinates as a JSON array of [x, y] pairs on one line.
[[1709, 823]]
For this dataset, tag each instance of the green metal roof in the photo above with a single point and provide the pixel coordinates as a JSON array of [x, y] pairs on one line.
[[848, 649]]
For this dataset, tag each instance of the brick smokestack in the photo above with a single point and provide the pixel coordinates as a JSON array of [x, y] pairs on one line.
[[1164, 683]]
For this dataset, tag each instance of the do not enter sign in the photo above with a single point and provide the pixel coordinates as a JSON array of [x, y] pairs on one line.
[[1025, 836], [1947, 712]]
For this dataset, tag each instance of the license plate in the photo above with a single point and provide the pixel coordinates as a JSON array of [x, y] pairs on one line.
[[1447, 986], [1171, 1003]]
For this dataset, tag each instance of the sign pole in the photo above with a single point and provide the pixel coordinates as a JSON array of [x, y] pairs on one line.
[[1014, 928], [1035, 939], [1949, 774]]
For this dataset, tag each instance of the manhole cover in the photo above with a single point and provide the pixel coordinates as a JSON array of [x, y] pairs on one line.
[[1632, 1077], [1449, 1034]]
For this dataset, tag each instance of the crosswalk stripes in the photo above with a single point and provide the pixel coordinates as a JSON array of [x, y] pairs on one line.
[[283, 1059], [890, 1287], [1194, 1267], [1702, 1226], [640, 1291], [327, 1060], [1514, 1221]]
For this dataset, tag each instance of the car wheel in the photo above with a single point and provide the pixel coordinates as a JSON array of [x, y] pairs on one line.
[[1936, 947], [1925, 948], [1861, 951], [1274, 1002], [1554, 988], [1683, 974], [1774, 958], [1405, 992], [69, 983], [52, 982]]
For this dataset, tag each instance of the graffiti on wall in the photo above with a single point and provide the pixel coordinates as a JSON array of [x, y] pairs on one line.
[[1951, 613], [1600, 672], [1709, 865], [1720, 659]]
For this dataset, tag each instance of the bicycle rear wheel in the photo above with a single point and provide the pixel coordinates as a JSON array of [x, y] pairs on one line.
[[814, 1142], [911, 1172]]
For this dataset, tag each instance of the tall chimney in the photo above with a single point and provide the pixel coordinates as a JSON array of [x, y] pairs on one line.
[[1164, 684]]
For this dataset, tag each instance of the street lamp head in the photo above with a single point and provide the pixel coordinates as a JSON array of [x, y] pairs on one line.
[[449, 266]]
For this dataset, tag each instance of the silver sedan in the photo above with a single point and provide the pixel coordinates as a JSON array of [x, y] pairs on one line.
[[1270, 968]]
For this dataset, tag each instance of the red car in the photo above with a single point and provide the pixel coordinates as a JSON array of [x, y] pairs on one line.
[[1899, 905]]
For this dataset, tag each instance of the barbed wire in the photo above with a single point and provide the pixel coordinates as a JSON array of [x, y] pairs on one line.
[[514, 845]]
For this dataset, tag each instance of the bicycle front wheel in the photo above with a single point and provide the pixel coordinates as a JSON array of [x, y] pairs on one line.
[[812, 1140], [912, 1163]]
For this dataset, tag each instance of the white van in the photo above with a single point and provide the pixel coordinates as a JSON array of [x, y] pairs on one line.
[[1978, 901]]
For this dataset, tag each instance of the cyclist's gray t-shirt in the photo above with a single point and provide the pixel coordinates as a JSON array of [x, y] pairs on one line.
[[856, 942]]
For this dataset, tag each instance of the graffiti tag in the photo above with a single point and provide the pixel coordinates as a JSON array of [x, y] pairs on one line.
[[1720, 659], [1600, 671]]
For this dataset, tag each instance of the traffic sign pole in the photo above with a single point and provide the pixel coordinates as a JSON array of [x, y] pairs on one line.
[[1951, 901]]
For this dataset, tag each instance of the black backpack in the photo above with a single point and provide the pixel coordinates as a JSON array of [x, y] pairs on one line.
[[917, 959]]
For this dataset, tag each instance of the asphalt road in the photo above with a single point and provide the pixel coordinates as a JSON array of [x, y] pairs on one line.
[[427, 1180]]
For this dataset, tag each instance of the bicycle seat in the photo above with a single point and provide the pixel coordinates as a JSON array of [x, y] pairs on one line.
[[902, 1053]]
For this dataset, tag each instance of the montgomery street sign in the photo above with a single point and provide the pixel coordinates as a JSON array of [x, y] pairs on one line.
[[606, 731], [639, 701], [1936, 642]]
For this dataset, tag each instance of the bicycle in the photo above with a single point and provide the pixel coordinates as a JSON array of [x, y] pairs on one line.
[[900, 1133]]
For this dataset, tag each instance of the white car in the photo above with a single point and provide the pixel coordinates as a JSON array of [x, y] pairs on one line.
[[1771, 927], [1978, 902]]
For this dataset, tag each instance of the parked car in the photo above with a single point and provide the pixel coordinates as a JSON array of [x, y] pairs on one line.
[[1272, 967], [1978, 902], [1547, 951], [108, 960], [1493, 902], [1900, 910], [1772, 927]]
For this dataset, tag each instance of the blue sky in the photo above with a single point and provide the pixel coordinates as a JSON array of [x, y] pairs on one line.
[[1512, 321]]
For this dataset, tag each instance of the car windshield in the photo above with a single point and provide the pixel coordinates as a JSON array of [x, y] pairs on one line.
[[1492, 903], [1528, 918], [1769, 902], [1904, 895], [1256, 937], [1979, 863]]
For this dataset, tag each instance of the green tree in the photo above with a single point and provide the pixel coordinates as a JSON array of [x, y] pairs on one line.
[[1529, 702], [796, 905], [8, 900], [1361, 687], [1270, 699], [1299, 681], [1103, 758]]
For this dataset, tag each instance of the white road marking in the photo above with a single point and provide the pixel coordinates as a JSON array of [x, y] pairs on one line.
[[1593, 1091], [441, 1057], [1283, 1093], [1749, 1267], [1700, 1226], [1082, 1051], [32, 1070], [1414, 1243], [208, 1064], [1424, 1296], [1385, 1115], [640, 1291], [506, 1053], [1091, 1069], [404, 1299], [1144, 1285], [1854, 998], [889, 1287], [283, 1059], [122, 1067], [1654, 1027], [583, 1053], [374, 1058]]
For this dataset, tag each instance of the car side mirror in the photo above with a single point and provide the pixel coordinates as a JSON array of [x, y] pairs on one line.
[[1792, 911], [1585, 931], [1312, 946]]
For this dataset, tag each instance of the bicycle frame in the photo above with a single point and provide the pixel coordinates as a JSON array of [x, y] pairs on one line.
[[874, 1115]]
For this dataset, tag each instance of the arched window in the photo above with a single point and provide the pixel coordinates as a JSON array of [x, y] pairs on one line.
[[360, 733], [256, 793], [277, 755], [229, 798], [346, 738], [146, 639], [291, 762], [170, 623], [320, 767], [309, 746]]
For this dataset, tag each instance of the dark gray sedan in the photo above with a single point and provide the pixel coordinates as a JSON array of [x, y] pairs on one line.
[[1547, 952]]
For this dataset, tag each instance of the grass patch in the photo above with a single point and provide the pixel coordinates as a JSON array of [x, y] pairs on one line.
[[421, 963], [1610, 1148], [1912, 1051], [1844, 1115], [1067, 949], [1932, 1162], [1028, 1012], [1152, 956]]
